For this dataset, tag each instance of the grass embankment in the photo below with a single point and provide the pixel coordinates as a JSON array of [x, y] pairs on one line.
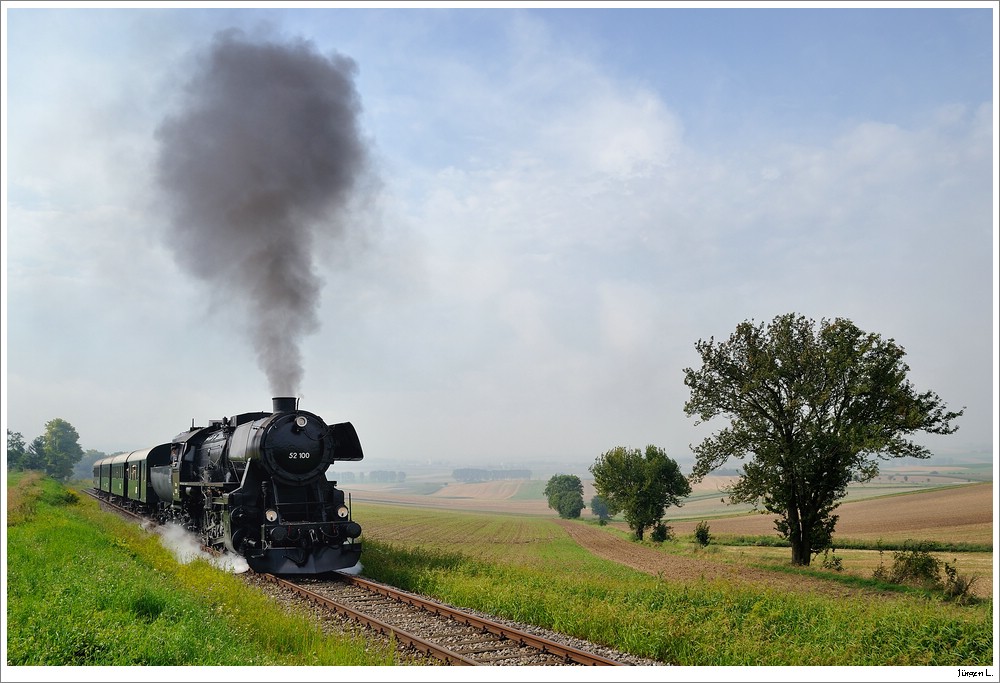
[[528, 569], [87, 588], [853, 544]]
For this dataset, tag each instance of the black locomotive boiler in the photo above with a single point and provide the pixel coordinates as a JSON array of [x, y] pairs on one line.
[[253, 484]]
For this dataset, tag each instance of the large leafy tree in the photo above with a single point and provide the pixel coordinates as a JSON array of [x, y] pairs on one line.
[[61, 448], [813, 407], [565, 495], [639, 484]]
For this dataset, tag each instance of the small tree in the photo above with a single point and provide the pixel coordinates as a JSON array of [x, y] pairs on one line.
[[34, 455], [600, 508], [812, 408], [16, 450], [565, 495], [701, 533], [642, 485]]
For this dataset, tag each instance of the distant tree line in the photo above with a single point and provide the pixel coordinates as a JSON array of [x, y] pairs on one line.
[[386, 477], [373, 477], [474, 474], [85, 468]]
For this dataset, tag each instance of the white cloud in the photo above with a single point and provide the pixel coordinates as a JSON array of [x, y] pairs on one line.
[[612, 133], [550, 247]]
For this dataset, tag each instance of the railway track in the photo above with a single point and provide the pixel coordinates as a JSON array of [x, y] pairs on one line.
[[106, 504], [454, 636]]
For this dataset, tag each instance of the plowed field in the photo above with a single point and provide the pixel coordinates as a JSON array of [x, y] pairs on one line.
[[963, 513]]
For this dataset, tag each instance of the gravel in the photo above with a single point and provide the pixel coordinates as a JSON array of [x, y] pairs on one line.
[[340, 625]]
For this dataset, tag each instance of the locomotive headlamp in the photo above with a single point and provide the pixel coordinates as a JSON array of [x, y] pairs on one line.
[[342, 512], [301, 422], [271, 515]]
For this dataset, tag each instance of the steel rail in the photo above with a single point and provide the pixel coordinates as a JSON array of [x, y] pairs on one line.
[[567, 652], [545, 645], [385, 629], [109, 504]]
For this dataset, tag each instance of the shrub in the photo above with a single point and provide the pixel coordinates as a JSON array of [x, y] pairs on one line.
[[957, 586], [831, 561], [916, 566], [661, 533], [701, 533], [913, 565]]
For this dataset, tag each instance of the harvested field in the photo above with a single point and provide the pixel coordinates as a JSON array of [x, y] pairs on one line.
[[731, 564], [957, 514], [487, 490], [489, 498], [963, 513]]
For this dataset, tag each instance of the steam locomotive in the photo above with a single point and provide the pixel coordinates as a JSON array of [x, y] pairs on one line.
[[253, 484]]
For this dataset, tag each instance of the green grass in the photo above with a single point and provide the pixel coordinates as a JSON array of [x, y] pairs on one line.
[[550, 581], [532, 490], [86, 588], [846, 543]]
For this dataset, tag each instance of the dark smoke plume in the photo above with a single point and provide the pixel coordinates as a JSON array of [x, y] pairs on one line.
[[257, 165]]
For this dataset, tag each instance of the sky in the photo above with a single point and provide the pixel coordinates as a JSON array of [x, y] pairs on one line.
[[556, 204]]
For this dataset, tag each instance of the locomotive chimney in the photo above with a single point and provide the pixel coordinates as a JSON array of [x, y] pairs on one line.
[[284, 404]]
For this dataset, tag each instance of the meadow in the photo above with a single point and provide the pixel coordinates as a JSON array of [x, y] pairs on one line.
[[85, 587], [530, 569]]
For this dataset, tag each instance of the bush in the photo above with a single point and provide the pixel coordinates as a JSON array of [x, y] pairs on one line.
[[913, 566], [661, 533], [831, 561], [701, 533], [916, 566], [957, 586]]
